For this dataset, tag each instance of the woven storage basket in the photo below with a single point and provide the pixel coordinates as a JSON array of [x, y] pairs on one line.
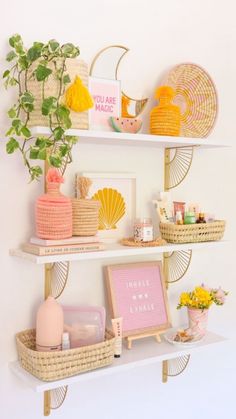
[[192, 233], [50, 366], [85, 217], [74, 67]]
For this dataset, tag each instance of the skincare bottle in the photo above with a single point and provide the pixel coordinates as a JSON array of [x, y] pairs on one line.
[[201, 218], [179, 218], [189, 218], [65, 341], [49, 326]]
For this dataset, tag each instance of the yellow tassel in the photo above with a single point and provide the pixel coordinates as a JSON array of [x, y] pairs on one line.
[[77, 96]]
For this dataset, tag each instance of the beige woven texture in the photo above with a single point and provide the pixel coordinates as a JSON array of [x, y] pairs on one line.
[[74, 67], [192, 233], [84, 217], [50, 366]]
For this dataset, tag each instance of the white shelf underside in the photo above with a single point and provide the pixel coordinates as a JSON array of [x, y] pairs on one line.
[[117, 138], [144, 352], [115, 250]]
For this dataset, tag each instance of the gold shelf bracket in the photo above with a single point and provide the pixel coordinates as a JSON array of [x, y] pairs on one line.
[[177, 165], [176, 265], [174, 367], [53, 399]]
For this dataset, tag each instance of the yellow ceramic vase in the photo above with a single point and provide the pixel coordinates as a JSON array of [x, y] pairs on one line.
[[165, 117]]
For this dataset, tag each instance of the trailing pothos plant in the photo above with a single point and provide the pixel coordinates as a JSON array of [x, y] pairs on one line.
[[39, 62]]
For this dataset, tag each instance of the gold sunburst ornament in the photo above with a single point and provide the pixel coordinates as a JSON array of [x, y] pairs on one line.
[[196, 96], [112, 208]]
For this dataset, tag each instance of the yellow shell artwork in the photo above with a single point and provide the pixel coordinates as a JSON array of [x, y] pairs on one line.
[[112, 207]]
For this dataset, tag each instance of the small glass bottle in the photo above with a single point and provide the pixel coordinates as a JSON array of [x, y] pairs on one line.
[[179, 218], [65, 341], [189, 218], [143, 230], [201, 218]]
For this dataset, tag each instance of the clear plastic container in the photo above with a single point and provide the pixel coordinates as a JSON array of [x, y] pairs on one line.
[[143, 230], [85, 325]]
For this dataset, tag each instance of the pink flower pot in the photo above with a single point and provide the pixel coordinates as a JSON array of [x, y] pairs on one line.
[[198, 320]]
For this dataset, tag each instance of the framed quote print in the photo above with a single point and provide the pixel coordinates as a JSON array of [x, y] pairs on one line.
[[137, 293], [107, 102]]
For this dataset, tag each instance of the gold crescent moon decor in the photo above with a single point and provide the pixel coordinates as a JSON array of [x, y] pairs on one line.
[[130, 107]]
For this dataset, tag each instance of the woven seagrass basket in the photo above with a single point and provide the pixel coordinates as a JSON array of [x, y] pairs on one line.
[[74, 67], [192, 233], [50, 366], [84, 217]]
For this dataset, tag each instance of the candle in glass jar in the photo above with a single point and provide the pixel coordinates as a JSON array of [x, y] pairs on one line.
[[143, 230]]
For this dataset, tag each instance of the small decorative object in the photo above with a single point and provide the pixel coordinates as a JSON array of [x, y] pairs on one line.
[[49, 326], [192, 233], [198, 302], [131, 242], [53, 210], [85, 211], [182, 337], [116, 193], [105, 65], [137, 293], [77, 96], [196, 96], [48, 366], [164, 210], [41, 75], [165, 118], [179, 218], [107, 102], [179, 206], [189, 218], [143, 230], [131, 125], [201, 218]]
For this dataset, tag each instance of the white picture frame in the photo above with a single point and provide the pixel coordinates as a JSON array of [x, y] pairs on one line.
[[125, 185], [106, 95]]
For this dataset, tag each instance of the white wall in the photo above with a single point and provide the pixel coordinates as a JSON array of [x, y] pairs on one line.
[[159, 35]]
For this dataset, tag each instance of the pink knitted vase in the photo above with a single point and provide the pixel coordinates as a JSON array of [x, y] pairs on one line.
[[53, 210]]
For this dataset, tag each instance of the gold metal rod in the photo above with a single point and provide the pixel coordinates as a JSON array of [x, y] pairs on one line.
[[47, 403], [164, 371]]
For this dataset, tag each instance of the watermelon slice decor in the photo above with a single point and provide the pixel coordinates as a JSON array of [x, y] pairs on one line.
[[132, 125]]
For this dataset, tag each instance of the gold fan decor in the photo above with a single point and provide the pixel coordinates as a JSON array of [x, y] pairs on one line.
[[196, 96], [112, 208]]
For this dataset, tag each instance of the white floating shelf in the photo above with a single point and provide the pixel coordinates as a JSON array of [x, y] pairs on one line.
[[118, 138], [113, 251], [144, 352]]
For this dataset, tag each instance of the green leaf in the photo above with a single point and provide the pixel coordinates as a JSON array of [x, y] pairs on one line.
[[6, 74], [64, 149], [12, 113], [25, 131], [12, 81], [64, 116], [71, 139], [12, 145], [15, 39], [34, 151], [58, 132], [23, 62], [70, 51], [27, 97], [66, 79], [42, 154], [10, 56], [17, 125], [41, 142], [55, 160], [35, 51], [49, 105], [53, 45], [42, 72], [35, 172], [10, 131]]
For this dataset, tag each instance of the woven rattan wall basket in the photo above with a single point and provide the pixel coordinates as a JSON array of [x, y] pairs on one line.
[[192, 233], [85, 212], [74, 68], [50, 366]]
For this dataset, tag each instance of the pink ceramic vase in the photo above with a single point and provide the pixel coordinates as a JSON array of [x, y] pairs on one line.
[[49, 326], [53, 211], [198, 320]]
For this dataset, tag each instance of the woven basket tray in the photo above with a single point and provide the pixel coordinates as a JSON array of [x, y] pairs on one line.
[[50, 366], [192, 233]]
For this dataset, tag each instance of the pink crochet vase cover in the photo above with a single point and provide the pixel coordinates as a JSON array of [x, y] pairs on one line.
[[53, 211]]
